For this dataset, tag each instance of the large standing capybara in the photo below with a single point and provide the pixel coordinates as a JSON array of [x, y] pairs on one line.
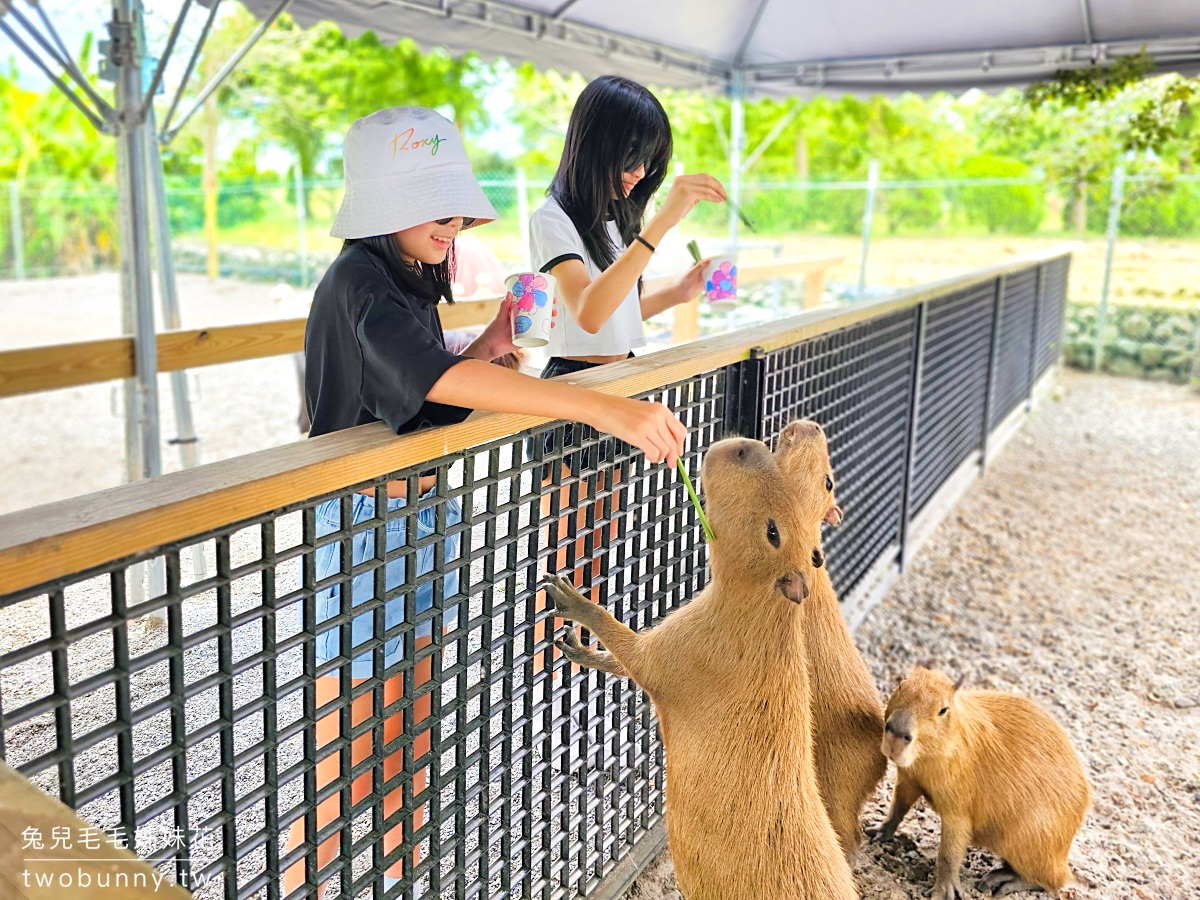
[[847, 714], [998, 770], [729, 680]]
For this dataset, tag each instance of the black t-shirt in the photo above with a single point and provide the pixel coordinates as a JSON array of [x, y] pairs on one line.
[[372, 352]]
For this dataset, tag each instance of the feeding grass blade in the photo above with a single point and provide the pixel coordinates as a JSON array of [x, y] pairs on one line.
[[687, 483]]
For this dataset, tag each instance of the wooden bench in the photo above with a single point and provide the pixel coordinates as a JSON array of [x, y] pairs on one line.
[[33, 369]]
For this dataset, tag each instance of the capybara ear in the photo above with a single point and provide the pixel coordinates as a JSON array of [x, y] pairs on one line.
[[962, 679], [794, 586], [833, 515]]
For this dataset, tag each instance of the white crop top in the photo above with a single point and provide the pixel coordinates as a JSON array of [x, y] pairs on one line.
[[554, 239]]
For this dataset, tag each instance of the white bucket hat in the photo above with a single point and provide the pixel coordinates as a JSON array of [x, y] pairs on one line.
[[406, 166]]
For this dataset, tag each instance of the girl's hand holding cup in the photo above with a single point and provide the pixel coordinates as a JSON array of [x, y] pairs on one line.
[[532, 299]]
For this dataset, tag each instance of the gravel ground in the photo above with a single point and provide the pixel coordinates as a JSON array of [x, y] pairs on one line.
[[1069, 574]]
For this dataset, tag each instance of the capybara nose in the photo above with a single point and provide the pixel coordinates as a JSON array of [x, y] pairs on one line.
[[898, 731]]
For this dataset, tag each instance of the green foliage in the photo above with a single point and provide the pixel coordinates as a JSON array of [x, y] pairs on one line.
[[1081, 87], [302, 88], [1153, 113], [243, 193], [1157, 207], [51, 151], [1007, 208]]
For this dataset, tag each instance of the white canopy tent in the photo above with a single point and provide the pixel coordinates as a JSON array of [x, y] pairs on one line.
[[743, 47], [781, 46]]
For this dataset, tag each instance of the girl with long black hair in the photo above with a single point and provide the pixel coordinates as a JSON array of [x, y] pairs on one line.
[[590, 235]]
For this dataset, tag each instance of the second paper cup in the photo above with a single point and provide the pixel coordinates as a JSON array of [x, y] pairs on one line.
[[720, 284]]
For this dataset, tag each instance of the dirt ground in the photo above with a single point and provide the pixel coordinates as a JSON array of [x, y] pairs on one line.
[[1070, 574]]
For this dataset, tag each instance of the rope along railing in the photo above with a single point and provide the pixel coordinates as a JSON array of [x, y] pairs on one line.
[[270, 741]]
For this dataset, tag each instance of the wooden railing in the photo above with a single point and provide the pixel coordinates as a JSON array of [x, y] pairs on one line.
[[29, 370], [70, 536]]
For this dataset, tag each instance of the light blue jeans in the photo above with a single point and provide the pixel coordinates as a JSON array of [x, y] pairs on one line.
[[362, 628]]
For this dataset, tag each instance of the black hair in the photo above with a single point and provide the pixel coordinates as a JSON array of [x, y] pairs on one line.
[[427, 283], [615, 121]]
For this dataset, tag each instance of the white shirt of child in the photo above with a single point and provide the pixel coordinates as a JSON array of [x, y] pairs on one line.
[[554, 239]]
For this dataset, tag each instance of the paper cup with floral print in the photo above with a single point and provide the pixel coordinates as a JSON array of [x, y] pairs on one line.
[[532, 295], [720, 284]]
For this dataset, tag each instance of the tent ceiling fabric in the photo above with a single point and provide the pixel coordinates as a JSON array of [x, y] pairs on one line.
[[861, 46]]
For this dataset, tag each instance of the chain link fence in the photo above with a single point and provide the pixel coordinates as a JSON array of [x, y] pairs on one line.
[[1134, 307]]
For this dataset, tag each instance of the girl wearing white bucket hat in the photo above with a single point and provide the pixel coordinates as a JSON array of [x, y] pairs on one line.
[[375, 351]]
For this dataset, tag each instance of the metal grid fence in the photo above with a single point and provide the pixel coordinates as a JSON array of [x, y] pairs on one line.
[[482, 765]]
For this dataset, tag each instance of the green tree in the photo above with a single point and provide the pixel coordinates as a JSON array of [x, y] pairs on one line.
[[65, 172], [303, 87]]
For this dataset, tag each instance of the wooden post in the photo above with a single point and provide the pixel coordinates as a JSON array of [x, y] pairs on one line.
[[685, 323], [814, 285]]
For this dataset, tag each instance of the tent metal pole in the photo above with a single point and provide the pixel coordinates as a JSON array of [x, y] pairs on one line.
[[60, 57], [185, 430], [189, 68], [97, 121], [18, 233], [1110, 239], [142, 402], [229, 66], [737, 145], [868, 216]]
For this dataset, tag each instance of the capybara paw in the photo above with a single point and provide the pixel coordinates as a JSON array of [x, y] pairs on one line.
[[881, 833], [947, 890], [1014, 884], [568, 602], [997, 876], [1004, 880], [572, 648]]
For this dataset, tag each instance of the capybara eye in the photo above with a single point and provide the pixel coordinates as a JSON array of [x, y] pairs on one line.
[[818, 557], [772, 533], [828, 483], [943, 710]]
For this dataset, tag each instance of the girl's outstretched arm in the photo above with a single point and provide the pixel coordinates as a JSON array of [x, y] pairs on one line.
[[651, 427]]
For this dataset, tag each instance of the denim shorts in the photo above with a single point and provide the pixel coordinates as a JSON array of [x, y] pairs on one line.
[[328, 562]]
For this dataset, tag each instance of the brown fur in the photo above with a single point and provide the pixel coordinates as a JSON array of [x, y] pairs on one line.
[[847, 713], [729, 680], [999, 771]]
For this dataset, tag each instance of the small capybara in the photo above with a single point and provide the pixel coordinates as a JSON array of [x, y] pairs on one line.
[[847, 713], [729, 680], [998, 770]]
